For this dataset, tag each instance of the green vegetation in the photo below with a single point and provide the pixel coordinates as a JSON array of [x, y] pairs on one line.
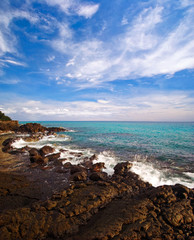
[[3, 117]]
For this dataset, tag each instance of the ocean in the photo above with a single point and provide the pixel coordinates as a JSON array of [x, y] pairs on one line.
[[162, 153]]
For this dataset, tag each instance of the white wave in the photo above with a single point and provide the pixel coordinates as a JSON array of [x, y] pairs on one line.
[[158, 177], [190, 174], [46, 140], [109, 159]]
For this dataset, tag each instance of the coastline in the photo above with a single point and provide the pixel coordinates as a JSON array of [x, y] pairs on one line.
[[70, 204]]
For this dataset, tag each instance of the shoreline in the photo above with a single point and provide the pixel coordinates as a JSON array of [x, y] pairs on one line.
[[82, 202]]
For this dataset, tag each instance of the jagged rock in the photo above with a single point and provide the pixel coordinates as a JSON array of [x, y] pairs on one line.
[[93, 157], [97, 167], [122, 168]]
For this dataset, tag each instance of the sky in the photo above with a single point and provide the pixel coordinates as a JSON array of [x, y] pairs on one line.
[[97, 60]]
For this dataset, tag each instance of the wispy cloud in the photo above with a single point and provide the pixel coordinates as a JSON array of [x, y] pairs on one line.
[[71, 7], [140, 51], [11, 61], [154, 106], [10, 81]]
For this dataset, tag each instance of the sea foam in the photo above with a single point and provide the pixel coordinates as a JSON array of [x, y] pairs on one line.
[[148, 171]]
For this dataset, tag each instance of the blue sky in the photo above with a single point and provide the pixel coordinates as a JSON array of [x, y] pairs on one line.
[[97, 60]]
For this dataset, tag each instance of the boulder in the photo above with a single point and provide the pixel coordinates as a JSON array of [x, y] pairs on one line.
[[7, 145], [75, 169], [46, 150], [38, 159], [54, 156], [34, 152]]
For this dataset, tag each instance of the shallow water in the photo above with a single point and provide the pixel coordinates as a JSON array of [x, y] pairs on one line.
[[162, 153]]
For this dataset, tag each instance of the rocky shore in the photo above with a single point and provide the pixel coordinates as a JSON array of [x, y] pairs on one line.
[[43, 196]]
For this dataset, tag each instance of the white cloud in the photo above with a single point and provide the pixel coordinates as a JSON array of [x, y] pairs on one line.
[[13, 62], [154, 106], [141, 51], [124, 21], [102, 101], [50, 58], [75, 7], [87, 10]]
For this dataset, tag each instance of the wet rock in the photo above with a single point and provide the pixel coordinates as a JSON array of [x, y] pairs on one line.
[[46, 150], [122, 168], [98, 176], [32, 138], [38, 159], [97, 167], [67, 165], [75, 169], [53, 157], [57, 129], [34, 152], [8, 141], [87, 164], [93, 157], [7, 145]]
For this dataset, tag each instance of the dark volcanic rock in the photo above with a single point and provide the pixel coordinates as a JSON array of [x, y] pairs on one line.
[[104, 210]]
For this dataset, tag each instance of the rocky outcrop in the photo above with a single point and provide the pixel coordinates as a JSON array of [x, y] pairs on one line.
[[8, 125], [91, 204], [31, 128], [38, 128], [104, 210]]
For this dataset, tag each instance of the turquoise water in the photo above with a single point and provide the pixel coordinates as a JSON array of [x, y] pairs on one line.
[[164, 146]]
